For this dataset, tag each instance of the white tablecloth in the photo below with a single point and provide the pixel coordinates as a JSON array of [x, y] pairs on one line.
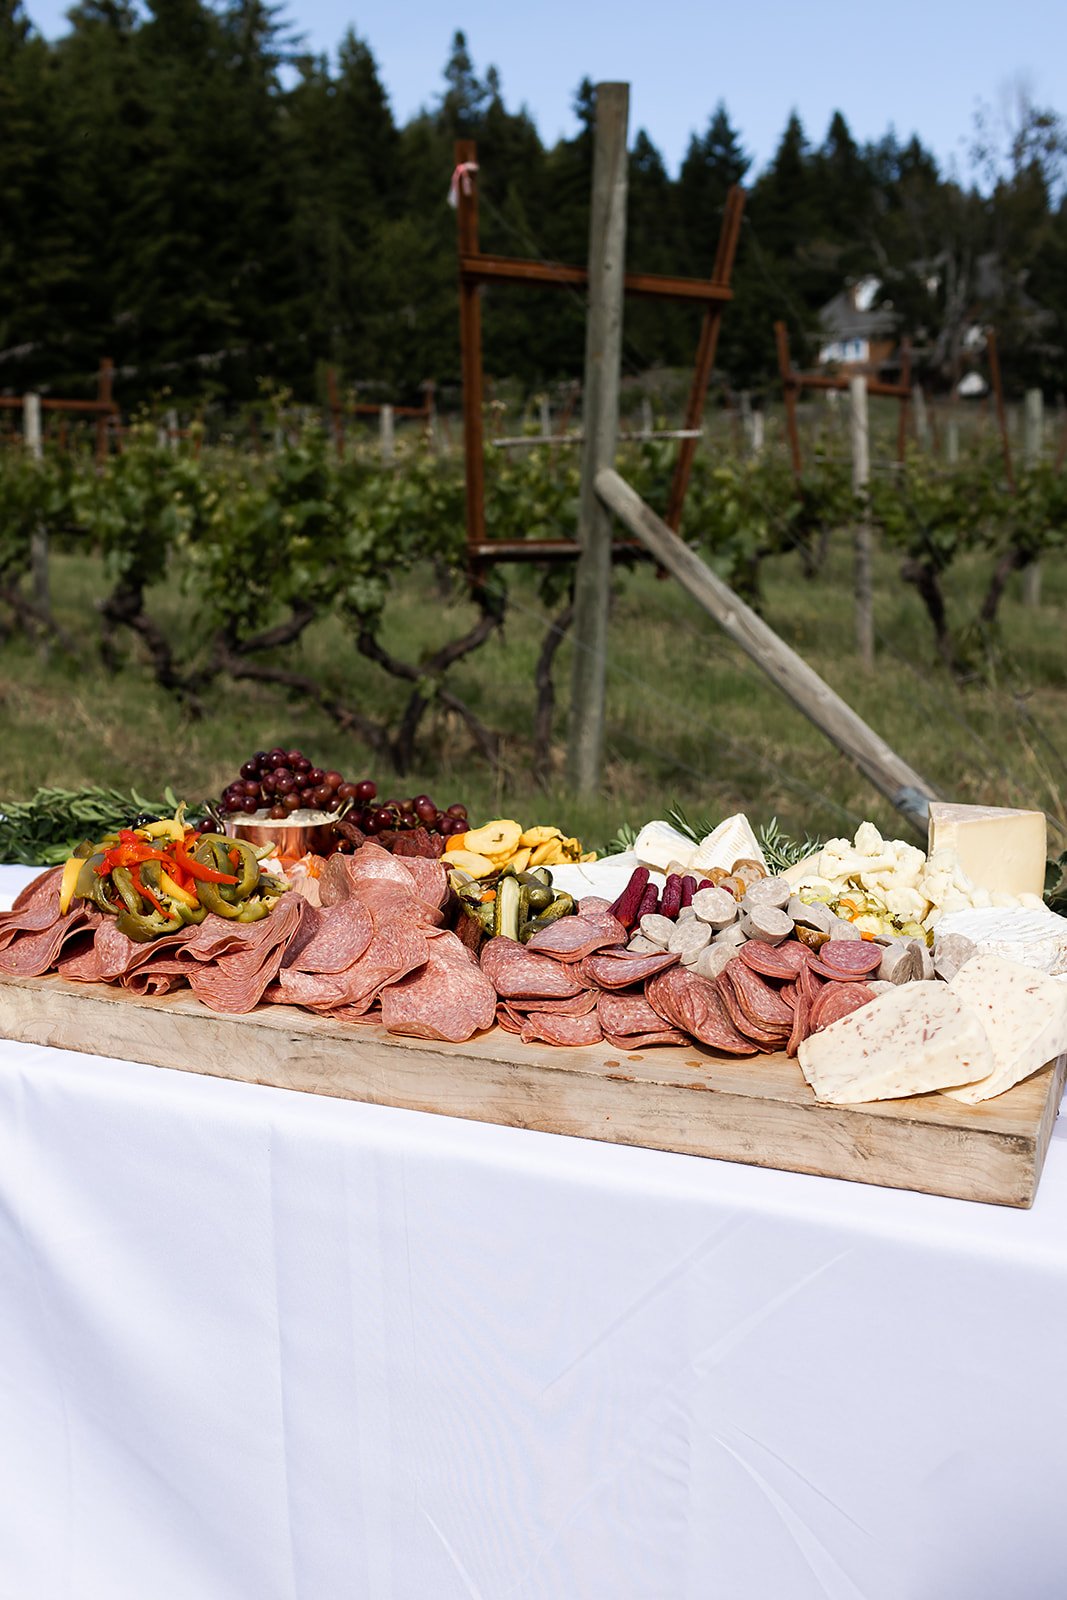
[[257, 1345]]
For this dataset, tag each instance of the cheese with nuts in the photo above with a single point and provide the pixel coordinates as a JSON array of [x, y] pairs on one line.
[[905, 1041], [1024, 1014], [1000, 849]]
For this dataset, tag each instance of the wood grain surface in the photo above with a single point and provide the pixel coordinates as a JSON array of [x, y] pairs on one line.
[[759, 1111]]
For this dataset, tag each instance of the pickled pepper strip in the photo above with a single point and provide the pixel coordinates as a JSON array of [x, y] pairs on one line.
[[197, 869]]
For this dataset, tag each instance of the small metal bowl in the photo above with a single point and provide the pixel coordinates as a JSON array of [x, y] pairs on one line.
[[306, 833]]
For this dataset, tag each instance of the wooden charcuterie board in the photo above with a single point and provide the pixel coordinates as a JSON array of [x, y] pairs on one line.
[[758, 1111]]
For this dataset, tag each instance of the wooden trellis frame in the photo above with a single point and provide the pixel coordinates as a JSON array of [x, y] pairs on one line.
[[793, 382], [103, 408], [477, 268]]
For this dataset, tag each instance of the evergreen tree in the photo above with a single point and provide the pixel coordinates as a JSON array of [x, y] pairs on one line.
[[713, 163]]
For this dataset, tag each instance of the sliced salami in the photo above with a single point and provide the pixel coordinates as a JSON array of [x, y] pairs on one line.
[[589, 904], [516, 972], [449, 997], [623, 1014], [760, 1003], [851, 955], [766, 960], [235, 982], [573, 938], [507, 1020], [30, 955], [548, 1028], [330, 938], [44, 887], [695, 1006], [576, 1005], [801, 1023], [765, 1038], [837, 1000], [618, 969], [628, 1042]]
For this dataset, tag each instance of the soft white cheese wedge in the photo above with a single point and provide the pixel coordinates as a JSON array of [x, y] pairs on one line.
[[1024, 1014], [1033, 936], [733, 840], [908, 1040], [658, 844]]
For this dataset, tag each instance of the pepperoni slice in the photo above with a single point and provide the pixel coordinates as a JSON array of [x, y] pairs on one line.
[[765, 959], [837, 1000], [850, 955]]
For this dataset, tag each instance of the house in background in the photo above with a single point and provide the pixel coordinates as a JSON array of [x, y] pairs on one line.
[[858, 335]]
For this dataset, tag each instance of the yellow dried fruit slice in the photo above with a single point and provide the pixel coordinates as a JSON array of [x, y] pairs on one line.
[[468, 861], [455, 841], [499, 838], [520, 860], [540, 835], [548, 854]]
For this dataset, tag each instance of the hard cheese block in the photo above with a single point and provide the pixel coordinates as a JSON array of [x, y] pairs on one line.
[[908, 1040], [999, 849], [1024, 1014], [1034, 937]]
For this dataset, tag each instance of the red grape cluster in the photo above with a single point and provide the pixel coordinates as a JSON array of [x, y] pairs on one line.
[[280, 781]]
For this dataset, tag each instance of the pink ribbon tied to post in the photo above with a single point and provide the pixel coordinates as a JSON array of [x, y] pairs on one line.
[[461, 179]]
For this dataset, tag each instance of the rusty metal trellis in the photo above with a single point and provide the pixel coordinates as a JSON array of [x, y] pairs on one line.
[[793, 382], [477, 269], [103, 407]]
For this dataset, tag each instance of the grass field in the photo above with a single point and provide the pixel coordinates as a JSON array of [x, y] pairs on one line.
[[690, 720]]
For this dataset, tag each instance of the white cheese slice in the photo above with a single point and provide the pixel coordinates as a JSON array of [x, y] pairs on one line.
[[908, 1040], [733, 840], [1000, 849], [658, 844], [1024, 1014], [1033, 936]]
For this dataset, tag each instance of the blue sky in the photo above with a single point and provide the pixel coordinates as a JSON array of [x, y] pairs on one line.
[[920, 65]]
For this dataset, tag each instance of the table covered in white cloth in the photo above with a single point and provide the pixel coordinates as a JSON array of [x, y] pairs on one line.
[[259, 1345]]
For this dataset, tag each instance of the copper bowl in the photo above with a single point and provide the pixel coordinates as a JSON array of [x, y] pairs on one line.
[[307, 833]]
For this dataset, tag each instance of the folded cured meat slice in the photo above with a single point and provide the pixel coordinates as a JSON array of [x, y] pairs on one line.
[[837, 1000], [396, 948], [801, 1022], [235, 981], [44, 887], [31, 954], [507, 1019], [770, 960], [517, 973], [551, 1028], [695, 1005], [572, 938], [574, 1005], [628, 1042], [330, 938], [449, 997], [589, 904], [618, 969], [765, 1038], [36, 908], [849, 958], [760, 1003], [623, 1014]]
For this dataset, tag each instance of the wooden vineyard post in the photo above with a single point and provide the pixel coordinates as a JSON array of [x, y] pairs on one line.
[[387, 434], [789, 391], [104, 381], [901, 785], [922, 424], [31, 438], [863, 539], [470, 340], [1033, 440], [998, 397], [603, 359], [905, 384]]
